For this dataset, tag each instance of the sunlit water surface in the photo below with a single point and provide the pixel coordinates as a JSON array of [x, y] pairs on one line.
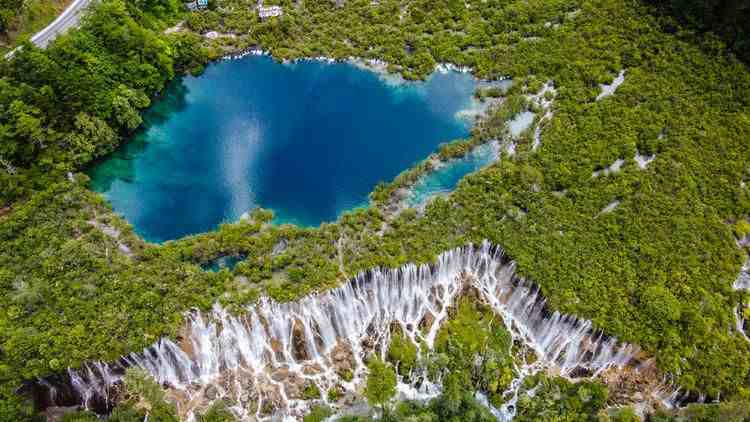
[[308, 140]]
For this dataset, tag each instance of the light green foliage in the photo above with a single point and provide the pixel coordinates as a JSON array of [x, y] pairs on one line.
[[80, 417], [218, 412], [79, 98], [381, 383], [733, 410], [742, 228], [311, 392], [142, 389], [473, 350], [626, 414], [560, 400], [203, 21], [402, 353], [317, 414], [82, 314], [468, 410], [92, 138], [333, 395], [125, 412]]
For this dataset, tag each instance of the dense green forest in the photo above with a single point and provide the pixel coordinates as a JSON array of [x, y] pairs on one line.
[[728, 19], [656, 270]]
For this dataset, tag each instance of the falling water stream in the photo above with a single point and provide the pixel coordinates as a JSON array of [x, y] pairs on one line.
[[261, 360]]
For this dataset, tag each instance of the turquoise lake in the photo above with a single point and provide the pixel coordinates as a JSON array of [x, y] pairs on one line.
[[308, 140], [444, 179]]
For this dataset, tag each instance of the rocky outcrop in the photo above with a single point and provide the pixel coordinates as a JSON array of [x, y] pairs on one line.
[[264, 360]]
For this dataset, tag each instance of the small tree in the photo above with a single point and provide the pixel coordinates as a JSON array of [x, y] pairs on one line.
[[381, 383]]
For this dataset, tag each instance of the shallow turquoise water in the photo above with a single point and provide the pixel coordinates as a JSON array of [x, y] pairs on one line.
[[307, 140], [444, 179], [228, 262]]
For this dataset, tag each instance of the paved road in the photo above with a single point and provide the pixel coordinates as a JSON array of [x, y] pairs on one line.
[[67, 19]]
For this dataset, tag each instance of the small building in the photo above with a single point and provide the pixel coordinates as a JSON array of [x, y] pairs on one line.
[[196, 5], [269, 11]]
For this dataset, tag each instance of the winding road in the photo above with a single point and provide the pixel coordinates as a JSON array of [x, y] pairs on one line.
[[67, 19]]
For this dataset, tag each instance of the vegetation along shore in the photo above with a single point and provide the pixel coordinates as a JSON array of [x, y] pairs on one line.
[[628, 210]]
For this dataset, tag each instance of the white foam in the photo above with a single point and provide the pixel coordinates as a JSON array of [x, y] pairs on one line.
[[297, 336], [610, 89]]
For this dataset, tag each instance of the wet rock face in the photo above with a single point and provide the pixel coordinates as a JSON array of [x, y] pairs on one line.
[[640, 386], [271, 398], [342, 359], [427, 321], [248, 397], [212, 392], [263, 361], [299, 348]]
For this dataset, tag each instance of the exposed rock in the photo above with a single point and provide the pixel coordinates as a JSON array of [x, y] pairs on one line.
[[643, 160], [242, 281], [281, 374], [114, 234], [401, 193], [312, 369], [277, 346], [183, 340], [609, 208], [212, 393], [271, 397], [611, 169], [349, 398], [279, 247], [427, 321], [641, 385], [212, 35], [294, 386], [248, 394], [299, 346], [56, 414], [609, 89], [342, 358], [176, 28]]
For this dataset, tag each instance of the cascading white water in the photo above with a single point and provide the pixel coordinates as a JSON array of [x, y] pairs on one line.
[[742, 282], [269, 354]]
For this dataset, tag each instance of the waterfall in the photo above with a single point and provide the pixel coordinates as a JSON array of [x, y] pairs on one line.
[[264, 358], [742, 282]]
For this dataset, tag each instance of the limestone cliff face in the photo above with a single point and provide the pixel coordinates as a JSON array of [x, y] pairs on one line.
[[272, 360]]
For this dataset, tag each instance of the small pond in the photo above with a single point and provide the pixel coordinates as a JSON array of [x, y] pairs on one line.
[[444, 179]]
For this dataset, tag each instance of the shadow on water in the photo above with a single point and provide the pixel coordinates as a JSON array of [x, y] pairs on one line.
[[120, 163]]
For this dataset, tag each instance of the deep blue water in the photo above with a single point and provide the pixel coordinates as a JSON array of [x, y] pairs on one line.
[[307, 140]]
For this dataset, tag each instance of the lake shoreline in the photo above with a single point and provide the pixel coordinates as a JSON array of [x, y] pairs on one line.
[[446, 98]]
